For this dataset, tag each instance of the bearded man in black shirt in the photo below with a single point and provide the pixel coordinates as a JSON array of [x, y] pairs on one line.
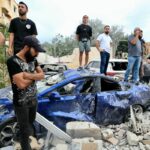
[[20, 27], [83, 35], [24, 71]]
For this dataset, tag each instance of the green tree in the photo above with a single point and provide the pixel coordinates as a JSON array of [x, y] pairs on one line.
[[60, 46], [4, 79], [116, 33], [97, 28]]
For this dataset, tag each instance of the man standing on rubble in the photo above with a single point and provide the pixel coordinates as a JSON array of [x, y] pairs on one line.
[[24, 71]]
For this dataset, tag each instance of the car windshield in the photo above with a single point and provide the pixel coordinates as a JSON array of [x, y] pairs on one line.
[[95, 64]]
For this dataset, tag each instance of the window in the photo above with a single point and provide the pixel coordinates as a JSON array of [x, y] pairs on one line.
[[119, 65], [95, 64], [15, 8], [109, 85]]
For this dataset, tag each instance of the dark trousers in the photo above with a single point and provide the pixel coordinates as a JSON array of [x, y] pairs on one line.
[[104, 62], [146, 79], [25, 118]]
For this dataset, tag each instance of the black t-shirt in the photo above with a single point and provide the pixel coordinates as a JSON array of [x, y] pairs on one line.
[[84, 31], [21, 29], [22, 96]]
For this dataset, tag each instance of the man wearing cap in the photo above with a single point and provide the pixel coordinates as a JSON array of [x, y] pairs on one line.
[[134, 55], [83, 35], [19, 28], [24, 71]]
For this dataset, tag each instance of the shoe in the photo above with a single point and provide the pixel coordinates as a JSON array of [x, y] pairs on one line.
[[125, 80], [80, 68], [34, 143]]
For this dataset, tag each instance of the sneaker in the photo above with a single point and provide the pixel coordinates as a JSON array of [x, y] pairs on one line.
[[80, 68], [125, 80], [34, 143]]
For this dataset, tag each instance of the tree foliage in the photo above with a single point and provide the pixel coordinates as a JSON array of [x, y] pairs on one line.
[[3, 57], [60, 45]]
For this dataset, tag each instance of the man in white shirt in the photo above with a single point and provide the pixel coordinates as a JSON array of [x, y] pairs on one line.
[[103, 45]]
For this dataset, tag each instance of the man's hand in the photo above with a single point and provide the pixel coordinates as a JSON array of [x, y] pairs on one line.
[[137, 33], [38, 75], [10, 51], [26, 75], [101, 50]]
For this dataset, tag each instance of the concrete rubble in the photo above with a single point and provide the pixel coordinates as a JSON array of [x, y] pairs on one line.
[[126, 136], [132, 135]]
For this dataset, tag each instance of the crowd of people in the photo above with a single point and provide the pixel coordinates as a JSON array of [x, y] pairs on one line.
[[136, 50], [24, 70]]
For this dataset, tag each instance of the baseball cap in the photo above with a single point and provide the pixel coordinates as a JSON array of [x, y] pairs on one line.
[[33, 42]]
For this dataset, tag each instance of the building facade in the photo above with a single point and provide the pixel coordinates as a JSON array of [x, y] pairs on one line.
[[8, 11]]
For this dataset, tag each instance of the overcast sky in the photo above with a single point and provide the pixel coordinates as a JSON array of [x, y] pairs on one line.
[[63, 16]]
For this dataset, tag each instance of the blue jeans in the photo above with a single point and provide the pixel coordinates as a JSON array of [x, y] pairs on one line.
[[104, 62], [134, 66]]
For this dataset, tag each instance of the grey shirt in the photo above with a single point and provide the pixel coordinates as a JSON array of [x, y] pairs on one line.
[[146, 69], [134, 49]]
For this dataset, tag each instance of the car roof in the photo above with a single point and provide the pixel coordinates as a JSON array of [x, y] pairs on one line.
[[112, 60]]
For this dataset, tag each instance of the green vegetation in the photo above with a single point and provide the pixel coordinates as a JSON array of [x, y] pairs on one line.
[[61, 46], [4, 79]]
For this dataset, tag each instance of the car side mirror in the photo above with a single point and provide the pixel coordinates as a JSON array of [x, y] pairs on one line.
[[55, 96]]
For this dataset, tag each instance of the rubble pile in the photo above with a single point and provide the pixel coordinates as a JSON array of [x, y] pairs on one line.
[[132, 135]]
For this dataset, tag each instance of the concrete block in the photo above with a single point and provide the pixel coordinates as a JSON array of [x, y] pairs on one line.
[[62, 147], [132, 138], [106, 134], [83, 129], [146, 142], [86, 144]]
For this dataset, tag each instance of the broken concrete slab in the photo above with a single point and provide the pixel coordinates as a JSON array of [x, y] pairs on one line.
[[106, 134], [113, 140], [132, 138], [142, 147], [86, 144], [62, 147], [147, 136], [83, 129], [146, 142], [147, 147]]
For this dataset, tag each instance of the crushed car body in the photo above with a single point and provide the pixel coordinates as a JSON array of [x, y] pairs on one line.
[[85, 96]]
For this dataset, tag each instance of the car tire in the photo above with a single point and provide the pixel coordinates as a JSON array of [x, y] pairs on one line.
[[8, 131]]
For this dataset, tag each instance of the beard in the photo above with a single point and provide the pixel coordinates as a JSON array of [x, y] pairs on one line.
[[29, 57], [106, 32], [22, 13]]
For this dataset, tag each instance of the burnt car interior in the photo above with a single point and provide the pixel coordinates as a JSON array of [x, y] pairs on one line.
[[87, 85], [119, 65], [109, 85]]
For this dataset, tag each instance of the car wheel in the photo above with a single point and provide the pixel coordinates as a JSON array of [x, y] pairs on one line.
[[8, 131]]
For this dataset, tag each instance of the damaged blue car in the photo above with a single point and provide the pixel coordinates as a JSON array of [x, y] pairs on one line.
[[82, 96]]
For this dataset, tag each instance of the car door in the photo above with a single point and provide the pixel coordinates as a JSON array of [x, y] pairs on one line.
[[110, 108], [74, 100]]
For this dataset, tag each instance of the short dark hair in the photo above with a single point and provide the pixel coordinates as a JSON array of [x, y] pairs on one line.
[[106, 26], [148, 57], [23, 4]]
